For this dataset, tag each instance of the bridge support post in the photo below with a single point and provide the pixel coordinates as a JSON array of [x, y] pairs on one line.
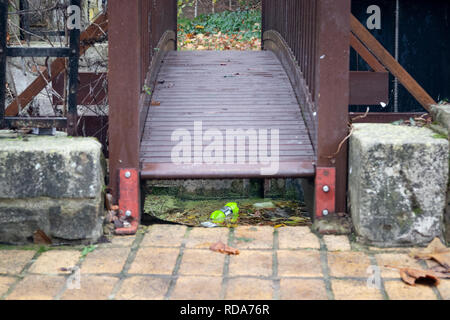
[[129, 200], [332, 98], [325, 192]]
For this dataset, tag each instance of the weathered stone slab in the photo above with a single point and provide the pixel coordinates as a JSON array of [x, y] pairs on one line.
[[441, 115], [53, 184], [397, 184]]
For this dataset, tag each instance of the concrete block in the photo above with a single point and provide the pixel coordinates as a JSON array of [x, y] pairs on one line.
[[397, 184]]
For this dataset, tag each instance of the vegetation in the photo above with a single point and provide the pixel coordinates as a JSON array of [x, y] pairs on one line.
[[238, 30]]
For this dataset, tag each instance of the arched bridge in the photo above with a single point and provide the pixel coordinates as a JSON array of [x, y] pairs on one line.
[[279, 112]]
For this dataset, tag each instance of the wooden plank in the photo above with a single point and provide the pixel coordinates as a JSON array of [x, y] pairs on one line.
[[391, 64], [384, 117], [87, 37], [366, 54], [369, 88], [296, 169]]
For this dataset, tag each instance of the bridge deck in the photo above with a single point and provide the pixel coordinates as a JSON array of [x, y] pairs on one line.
[[223, 90]]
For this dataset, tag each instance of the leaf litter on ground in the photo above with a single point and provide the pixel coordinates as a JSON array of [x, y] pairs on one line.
[[435, 251]]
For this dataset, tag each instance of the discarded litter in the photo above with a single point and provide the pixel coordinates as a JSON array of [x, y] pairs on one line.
[[228, 214]]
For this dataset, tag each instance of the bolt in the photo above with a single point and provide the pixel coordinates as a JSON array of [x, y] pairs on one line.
[[127, 174], [325, 212], [128, 213], [326, 189]]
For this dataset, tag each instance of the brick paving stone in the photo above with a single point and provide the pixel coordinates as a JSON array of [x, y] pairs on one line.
[[51, 262], [143, 288], [400, 260], [91, 288], [151, 260], [398, 290], [105, 260], [348, 264], [250, 237], [299, 263], [249, 289], [202, 262], [354, 290], [251, 263], [302, 289], [13, 261], [204, 237], [337, 243], [164, 235], [5, 283], [297, 238], [197, 288], [119, 241], [37, 287]]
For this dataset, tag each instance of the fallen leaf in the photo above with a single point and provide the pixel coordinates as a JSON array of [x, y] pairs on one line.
[[156, 103], [280, 226], [411, 276], [39, 237], [223, 248], [435, 251]]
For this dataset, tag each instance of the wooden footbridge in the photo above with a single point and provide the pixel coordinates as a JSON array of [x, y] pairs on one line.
[[279, 112]]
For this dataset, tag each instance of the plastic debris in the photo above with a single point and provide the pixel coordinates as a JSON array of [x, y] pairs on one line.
[[228, 214]]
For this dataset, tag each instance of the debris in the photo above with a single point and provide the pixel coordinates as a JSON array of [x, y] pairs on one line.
[[39, 237], [412, 276], [264, 205], [223, 248], [435, 251], [155, 103], [208, 224], [229, 213]]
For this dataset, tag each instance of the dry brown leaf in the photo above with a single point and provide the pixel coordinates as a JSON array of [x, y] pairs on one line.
[[436, 250], [411, 276], [223, 248], [39, 237], [155, 103]]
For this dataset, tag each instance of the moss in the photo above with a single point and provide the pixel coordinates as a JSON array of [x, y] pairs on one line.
[[440, 136]]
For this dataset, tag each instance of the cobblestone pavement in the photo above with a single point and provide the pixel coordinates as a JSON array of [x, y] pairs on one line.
[[174, 262]]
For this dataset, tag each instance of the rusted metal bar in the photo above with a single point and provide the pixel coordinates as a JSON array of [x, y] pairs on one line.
[[74, 41], [124, 88], [391, 64], [385, 117], [369, 88]]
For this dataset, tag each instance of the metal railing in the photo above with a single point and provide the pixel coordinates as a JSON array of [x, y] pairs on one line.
[[296, 21], [72, 53]]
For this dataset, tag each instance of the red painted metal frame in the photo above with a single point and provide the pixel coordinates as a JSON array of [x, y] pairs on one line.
[[129, 199], [325, 199]]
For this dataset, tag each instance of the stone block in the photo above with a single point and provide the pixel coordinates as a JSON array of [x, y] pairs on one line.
[[397, 184], [50, 183]]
